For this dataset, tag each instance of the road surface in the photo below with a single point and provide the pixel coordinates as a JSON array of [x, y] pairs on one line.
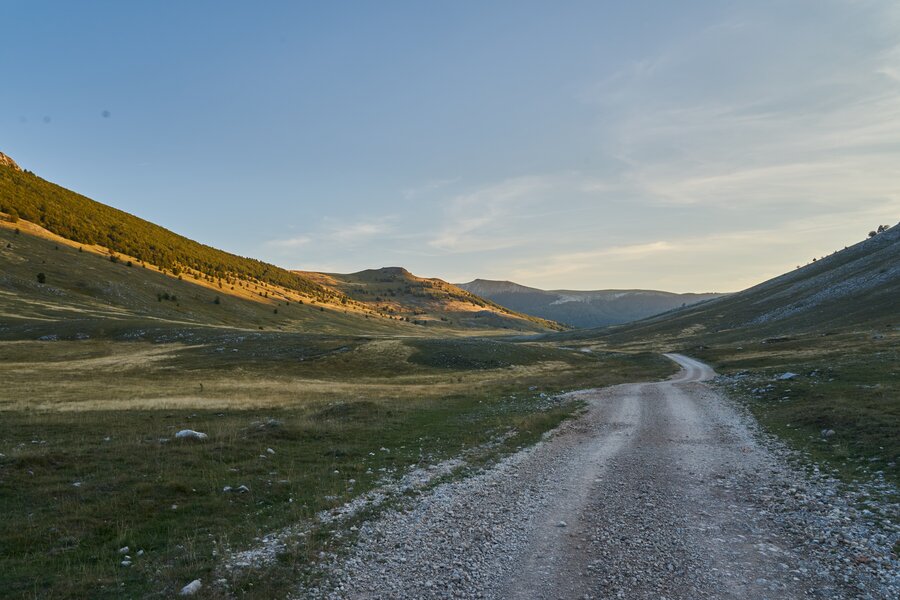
[[659, 490]]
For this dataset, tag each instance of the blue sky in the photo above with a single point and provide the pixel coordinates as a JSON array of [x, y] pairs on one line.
[[689, 146]]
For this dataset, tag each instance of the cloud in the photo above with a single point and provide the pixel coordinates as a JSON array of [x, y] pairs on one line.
[[713, 157], [333, 236], [770, 111], [478, 220], [733, 259], [428, 187], [293, 242], [351, 233]]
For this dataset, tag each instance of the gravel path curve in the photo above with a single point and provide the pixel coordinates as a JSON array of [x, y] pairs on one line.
[[659, 490]]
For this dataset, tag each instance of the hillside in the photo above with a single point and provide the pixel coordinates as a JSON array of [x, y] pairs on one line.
[[78, 218], [850, 290], [582, 308], [394, 291], [103, 267]]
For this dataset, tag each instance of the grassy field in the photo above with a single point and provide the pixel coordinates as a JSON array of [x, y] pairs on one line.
[[90, 464]]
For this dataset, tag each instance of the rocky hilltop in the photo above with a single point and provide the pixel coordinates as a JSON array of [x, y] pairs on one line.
[[8, 162]]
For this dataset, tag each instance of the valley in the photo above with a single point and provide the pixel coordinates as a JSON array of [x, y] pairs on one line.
[[349, 425]]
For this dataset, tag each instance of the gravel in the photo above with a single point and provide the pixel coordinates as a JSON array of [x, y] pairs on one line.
[[659, 490]]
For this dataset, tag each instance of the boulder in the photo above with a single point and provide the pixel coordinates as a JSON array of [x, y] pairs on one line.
[[191, 588]]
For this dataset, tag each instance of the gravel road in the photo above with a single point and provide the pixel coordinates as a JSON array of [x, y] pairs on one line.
[[659, 490]]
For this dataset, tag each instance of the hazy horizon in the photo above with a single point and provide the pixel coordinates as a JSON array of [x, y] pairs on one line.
[[703, 147]]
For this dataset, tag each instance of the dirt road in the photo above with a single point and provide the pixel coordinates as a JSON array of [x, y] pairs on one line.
[[659, 490]]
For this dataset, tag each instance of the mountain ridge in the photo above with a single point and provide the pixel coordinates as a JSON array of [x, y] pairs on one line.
[[583, 308]]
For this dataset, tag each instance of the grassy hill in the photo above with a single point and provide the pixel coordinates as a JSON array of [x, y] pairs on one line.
[[852, 289], [394, 291], [78, 218], [106, 266], [582, 308]]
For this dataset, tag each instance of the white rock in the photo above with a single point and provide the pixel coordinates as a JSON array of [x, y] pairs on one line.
[[124, 550], [126, 563], [190, 434], [786, 376], [191, 588], [270, 451]]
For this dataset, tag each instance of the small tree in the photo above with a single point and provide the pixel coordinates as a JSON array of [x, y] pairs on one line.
[[41, 278], [217, 300]]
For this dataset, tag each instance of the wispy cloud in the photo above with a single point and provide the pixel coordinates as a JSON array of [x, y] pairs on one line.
[[335, 236], [428, 187], [711, 158], [351, 233], [469, 219], [288, 243], [685, 262]]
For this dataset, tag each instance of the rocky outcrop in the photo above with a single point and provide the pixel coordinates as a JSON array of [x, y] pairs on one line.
[[8, 162]]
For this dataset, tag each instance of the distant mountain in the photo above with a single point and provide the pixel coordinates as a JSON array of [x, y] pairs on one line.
[[582, 308]]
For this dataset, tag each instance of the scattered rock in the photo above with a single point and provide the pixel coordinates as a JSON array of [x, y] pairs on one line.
[[826, 433], [786, 376], [190, 434], [191, 588]]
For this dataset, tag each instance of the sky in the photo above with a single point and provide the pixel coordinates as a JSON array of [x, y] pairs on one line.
[[684, 146]]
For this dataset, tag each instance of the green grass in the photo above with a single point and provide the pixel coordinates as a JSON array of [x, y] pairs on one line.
[[102, 414]]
